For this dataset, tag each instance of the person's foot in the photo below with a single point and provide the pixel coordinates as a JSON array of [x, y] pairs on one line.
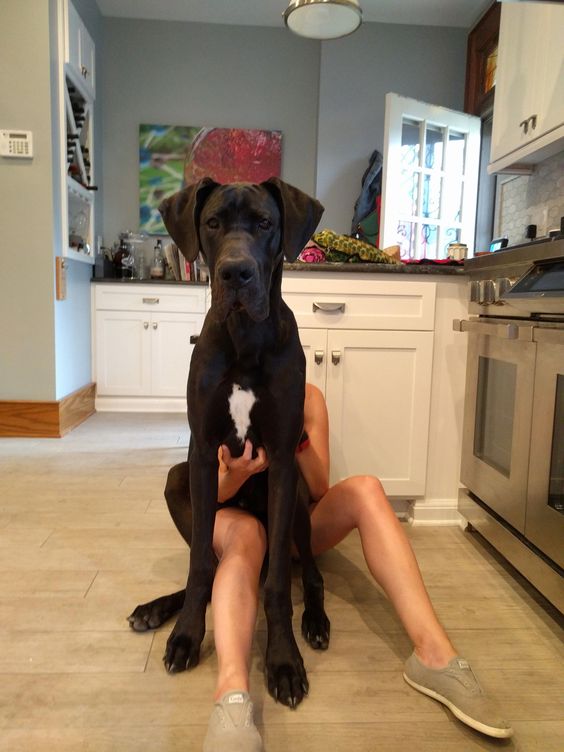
[[457, 688], [232, 727]]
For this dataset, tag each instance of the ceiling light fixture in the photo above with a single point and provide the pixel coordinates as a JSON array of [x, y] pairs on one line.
[[323, 19]]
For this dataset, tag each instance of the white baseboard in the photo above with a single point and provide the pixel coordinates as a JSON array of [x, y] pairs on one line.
[[141, 404], [436, 512]]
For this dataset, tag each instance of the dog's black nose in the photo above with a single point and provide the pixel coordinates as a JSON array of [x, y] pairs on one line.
[[236, 273]]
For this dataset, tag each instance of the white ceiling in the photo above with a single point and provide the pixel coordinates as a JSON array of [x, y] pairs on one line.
[[461, 13]]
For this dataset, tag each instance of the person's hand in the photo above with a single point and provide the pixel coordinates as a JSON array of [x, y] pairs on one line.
[[242, 467]]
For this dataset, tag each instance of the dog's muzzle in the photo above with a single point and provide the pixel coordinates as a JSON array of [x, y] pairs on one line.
[[235, 274], [238, 288]]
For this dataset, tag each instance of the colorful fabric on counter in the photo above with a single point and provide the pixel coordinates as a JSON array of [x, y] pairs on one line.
[[345, 248], [312, 254]]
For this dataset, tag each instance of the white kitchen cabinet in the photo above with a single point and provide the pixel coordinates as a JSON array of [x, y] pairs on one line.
[[528, 122], [369, 348], [123, 354], [80, 52], [142, 344], [377, 385]]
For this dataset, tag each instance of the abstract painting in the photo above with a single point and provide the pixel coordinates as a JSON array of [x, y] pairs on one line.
[[172, 156]]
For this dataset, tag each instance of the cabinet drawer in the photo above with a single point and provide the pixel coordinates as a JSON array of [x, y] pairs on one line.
[[335, 303], [185, 299]]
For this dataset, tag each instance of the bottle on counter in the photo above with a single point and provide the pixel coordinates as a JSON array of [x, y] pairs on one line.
[[157, 265]]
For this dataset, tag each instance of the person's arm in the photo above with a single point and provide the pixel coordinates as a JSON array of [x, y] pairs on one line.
[[233, 472], [313, 460]]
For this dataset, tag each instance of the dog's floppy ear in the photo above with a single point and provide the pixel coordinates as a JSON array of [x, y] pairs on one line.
[[181, 215], [300, 215]]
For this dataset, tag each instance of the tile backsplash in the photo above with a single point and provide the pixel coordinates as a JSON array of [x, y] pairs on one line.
[[536, 199]]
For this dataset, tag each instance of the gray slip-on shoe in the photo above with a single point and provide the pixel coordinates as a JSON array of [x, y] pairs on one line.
[[457, 688], [232, 727]]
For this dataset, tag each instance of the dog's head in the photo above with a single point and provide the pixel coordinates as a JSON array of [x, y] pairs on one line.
[[242, 230]]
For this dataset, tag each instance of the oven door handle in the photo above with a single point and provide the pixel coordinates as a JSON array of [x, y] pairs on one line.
[[501, 331]]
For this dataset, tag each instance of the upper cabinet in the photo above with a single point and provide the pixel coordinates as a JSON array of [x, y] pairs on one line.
[[528, 122], [80, 53], [76, 104]]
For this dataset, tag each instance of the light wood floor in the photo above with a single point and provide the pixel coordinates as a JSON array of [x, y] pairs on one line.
[[85, 536]]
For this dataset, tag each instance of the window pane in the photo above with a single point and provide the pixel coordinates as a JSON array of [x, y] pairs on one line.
[[410, 146], [405, 238], [434, 137], [495, 404], [409, 189], [452, 209], [456, 152], [431, 196], [428, 241]]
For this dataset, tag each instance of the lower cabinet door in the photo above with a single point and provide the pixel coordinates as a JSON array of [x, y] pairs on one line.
[[314, 343], [171, 351], [378, 395], [123, 353]]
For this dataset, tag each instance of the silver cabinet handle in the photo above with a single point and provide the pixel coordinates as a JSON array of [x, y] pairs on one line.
[[530, 121], [329, 307], [155, 325], [145, 325], [150, 301], [501, 331], [319, 355], [336, 357]]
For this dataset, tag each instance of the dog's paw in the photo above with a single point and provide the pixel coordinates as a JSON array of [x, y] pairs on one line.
[[287, 681], [182, 653], [151, 615], [316, 628]]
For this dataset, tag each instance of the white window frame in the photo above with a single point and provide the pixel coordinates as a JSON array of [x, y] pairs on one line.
[[399, 109]]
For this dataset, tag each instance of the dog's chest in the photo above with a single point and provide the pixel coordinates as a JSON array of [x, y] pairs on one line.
[[240, 403]]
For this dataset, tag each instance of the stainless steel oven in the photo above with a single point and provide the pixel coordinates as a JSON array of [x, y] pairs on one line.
[[513, 434]]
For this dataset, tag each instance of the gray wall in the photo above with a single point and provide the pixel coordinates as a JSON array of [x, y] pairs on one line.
[[27, 344], [202, 74], [206, 74], [422, 62]]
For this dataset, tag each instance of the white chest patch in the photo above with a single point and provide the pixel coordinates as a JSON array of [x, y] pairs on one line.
[[240, 406]]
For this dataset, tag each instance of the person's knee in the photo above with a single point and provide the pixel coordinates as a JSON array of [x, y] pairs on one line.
[[245, 538], [367, 493]]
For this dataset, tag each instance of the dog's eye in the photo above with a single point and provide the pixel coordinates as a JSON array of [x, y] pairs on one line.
[[265, 224], [212, 223]]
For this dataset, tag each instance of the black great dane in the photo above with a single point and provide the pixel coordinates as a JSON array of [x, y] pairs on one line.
[[246, 380]]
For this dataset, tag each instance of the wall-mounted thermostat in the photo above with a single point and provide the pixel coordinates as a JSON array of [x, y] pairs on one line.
[[16, 144]]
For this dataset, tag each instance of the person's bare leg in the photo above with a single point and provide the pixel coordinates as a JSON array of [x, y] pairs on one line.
[[360, 502], [240, 545]]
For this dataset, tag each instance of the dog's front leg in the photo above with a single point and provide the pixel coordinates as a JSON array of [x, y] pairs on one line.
[[183, 646], [285, 672]]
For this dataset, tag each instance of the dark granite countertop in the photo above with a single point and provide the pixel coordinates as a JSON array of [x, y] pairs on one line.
[[300, 266]]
